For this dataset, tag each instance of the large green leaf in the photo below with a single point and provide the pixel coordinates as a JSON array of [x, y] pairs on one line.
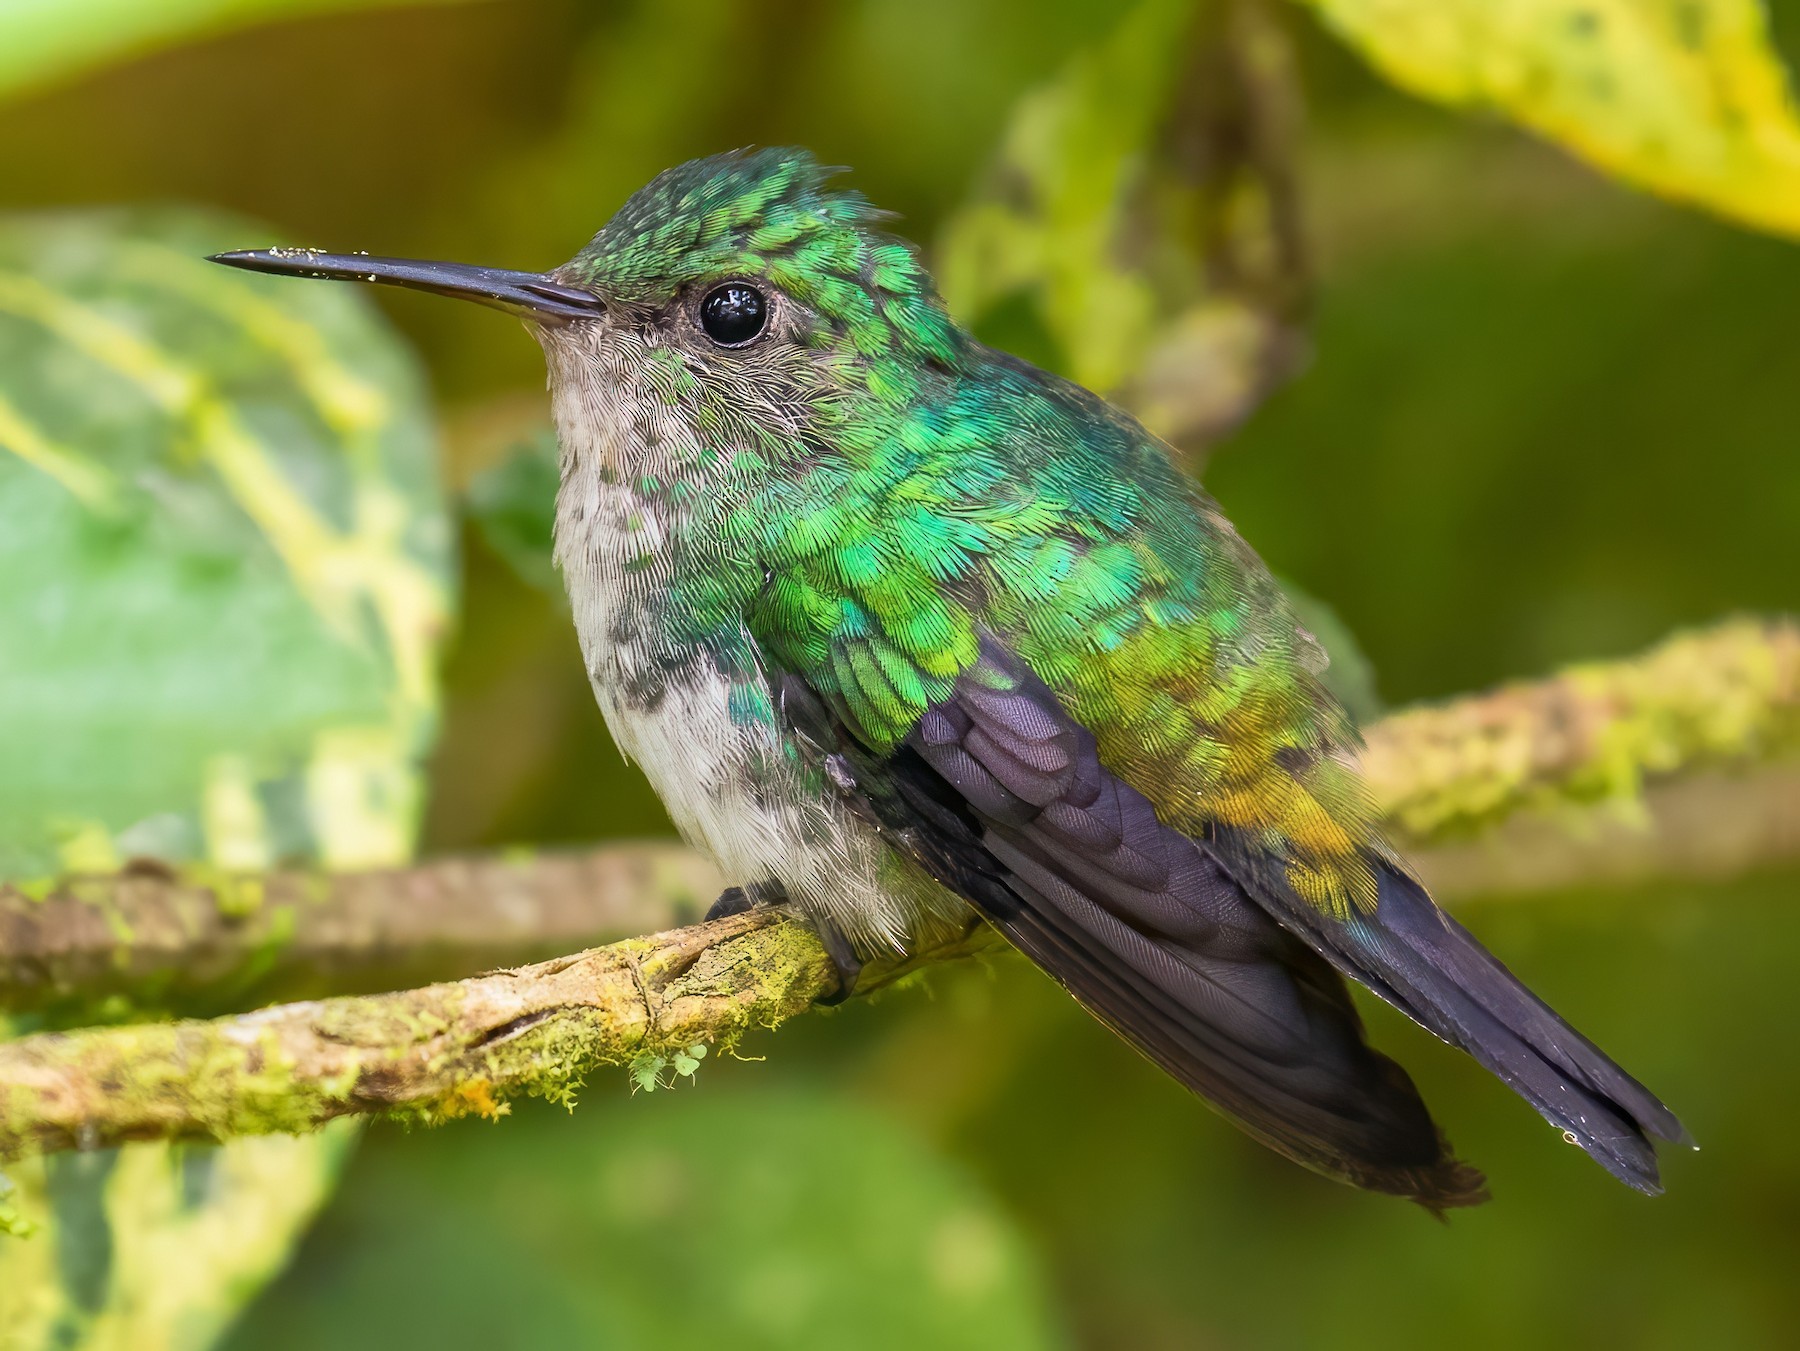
[[225, 555], [1685, 97], [227, 568], [45, 40]]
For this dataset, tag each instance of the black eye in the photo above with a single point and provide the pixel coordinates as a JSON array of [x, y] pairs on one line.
[[733, 314]]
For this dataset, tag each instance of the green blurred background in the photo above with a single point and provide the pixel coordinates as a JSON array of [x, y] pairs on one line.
[[1545, 419]]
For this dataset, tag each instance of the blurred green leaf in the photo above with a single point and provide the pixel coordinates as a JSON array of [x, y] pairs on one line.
[[767, 1219], [513, 505], [228, 570], [1685, 97], [227, 551], [1136, 231], [46, 40]]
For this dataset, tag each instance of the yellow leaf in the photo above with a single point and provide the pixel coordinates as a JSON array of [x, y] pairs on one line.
[[1684, 97]]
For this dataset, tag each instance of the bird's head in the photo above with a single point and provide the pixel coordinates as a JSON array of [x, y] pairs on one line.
[[740, 295]]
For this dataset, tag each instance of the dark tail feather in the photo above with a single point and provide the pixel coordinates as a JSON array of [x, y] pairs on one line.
[[1266, 1033], [1426, 964]]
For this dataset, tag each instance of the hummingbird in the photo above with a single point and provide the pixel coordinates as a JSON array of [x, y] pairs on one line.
[[901, 627]]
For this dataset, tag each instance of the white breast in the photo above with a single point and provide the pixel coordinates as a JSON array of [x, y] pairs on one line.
[[731, 788]]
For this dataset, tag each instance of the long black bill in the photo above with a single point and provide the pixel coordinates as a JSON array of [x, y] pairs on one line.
[[532, 295]]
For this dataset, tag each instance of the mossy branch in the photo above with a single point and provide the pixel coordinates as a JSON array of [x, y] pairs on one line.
[[1724, 698], [441, 1051], [202, 941], [1683, 761], [455, 1049], [1719, 702]]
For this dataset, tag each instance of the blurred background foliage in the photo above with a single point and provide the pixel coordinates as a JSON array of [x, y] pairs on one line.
[[1534, 417]]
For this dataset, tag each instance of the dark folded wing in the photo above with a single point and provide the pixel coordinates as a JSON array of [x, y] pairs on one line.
[[1001, 796]]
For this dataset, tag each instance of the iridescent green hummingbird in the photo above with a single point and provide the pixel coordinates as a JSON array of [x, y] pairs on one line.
[[899, 625]]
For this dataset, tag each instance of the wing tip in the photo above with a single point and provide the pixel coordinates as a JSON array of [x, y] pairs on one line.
[[1445, 1185]]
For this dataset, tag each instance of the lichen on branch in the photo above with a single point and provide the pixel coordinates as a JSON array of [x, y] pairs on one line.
[[1722, 698], [440, 1051]]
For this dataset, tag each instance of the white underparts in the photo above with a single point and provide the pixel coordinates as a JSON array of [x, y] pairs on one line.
[[729, 785]]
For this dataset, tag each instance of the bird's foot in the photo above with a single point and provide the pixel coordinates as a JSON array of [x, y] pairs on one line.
[[737, 900], [844, 961]]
